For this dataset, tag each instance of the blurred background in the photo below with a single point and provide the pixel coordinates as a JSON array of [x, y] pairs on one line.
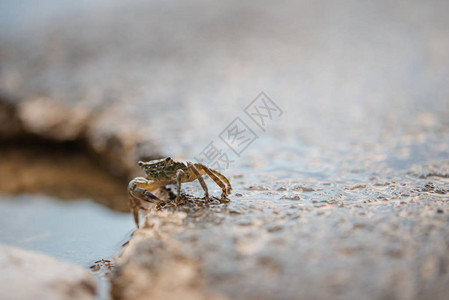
[[88, 88], [363, 85], [165, 77]]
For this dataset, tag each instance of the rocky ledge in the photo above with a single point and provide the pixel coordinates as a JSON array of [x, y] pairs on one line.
[[323, 243]]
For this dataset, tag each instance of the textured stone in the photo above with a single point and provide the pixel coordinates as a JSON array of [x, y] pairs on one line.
[[377, 240]]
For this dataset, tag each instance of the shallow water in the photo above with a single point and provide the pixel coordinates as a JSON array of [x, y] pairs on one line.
[[79, 231]]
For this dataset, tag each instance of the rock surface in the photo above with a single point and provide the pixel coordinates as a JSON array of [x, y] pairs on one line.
[[344, 196], [30, 275], [365, 239]]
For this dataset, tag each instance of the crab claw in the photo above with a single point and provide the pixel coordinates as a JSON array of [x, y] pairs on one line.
[[138, 193], [144, 195], [136, 190]]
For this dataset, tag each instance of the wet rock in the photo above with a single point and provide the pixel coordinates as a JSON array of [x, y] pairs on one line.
[[288, 250], [29, 275], [173, 275]]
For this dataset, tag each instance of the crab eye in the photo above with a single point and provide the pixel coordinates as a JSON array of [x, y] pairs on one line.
[[168, 159], [140, 163]]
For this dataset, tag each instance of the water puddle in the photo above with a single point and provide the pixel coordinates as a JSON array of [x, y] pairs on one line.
[[80, 231]]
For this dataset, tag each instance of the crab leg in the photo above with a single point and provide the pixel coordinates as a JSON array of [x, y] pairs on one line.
[[224, 179], [134, 205], [200, 179], [213, 177], [179, 174]]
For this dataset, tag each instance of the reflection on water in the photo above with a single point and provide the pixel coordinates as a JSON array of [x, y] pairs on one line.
[[79, 231]]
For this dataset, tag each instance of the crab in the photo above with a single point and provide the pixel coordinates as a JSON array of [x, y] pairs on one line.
[[166, 171]]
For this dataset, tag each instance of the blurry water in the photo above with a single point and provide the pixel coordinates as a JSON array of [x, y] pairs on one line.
[[79, 231]]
